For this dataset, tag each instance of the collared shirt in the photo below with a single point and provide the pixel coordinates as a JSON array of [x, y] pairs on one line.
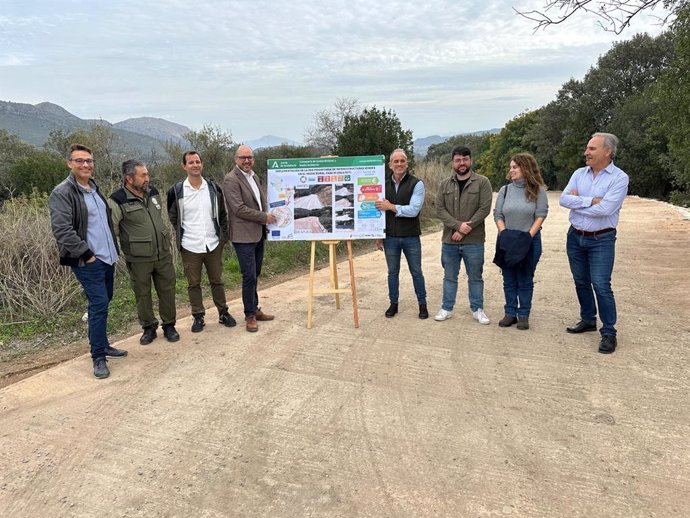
[[416, 200], [98, 234], [199, 234], [255, 188], [611, 184]]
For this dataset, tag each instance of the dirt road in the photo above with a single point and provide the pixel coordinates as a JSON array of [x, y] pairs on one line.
[[400, 417]]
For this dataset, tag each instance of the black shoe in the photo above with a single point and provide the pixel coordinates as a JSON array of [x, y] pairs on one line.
[[100, 368], [608, 344], [582, 327], [149, 336], [198, 324], [115, 353], [170, 334], [392, 310], [226, 319], [423, 312]]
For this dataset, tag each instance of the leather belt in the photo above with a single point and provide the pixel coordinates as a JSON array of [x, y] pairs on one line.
[[591, 234]]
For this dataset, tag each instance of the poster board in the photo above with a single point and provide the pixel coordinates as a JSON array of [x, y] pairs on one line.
[[326, 198]]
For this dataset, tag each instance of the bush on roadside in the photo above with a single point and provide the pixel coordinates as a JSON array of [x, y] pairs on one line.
[[32, 282], [431, 172]]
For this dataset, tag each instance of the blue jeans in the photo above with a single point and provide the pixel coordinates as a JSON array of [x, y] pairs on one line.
[[411, 246], [518, 282], [97, 280], [250, 256], [473, 256], [591, 263]]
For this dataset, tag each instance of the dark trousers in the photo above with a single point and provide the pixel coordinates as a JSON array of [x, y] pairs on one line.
[[518, 282], [411, 246], [97, 280], [213, 261], [163, 274], [591, 263], [250, 256]]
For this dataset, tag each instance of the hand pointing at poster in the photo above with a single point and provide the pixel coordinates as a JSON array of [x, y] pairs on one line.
[[385, 205]]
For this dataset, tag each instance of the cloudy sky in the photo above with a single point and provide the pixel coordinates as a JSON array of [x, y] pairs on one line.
[[266, 66]]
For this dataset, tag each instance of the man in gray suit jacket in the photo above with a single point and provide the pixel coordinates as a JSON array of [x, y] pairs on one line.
[[247, 219]]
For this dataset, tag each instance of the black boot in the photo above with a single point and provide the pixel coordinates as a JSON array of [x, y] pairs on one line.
[[198, 324], [423, 312], [225, 318], [170, 333], [392, 310], [100, 368], [149, 335]]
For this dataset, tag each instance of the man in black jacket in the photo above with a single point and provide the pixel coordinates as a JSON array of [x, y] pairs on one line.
[[403, 201], [83, 228], [196, 209]]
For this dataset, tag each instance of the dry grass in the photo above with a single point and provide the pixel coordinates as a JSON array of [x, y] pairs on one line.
[[431, 174], [32, 282]]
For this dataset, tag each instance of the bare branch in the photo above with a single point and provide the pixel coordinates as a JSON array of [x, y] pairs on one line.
[[614, 15], [328, 124]]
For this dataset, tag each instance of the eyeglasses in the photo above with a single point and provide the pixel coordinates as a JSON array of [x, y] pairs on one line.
[[81, 161], [245, 158]]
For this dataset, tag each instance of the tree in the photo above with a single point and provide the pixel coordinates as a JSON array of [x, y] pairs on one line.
[[585, 106], [643, 151], [512, 139], [374, 132], [613, 15], [39, 171], [216, 148], [441, 152], [327, 125], [108, 150], [12, 148], [673, 94], [262, 155]]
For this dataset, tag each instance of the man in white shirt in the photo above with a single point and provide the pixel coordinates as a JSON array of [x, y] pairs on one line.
[[196, 209]]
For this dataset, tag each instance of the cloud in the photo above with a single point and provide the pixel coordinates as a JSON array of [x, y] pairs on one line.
[[265, 67]]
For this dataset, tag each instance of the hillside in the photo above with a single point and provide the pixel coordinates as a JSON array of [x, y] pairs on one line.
[[157, 128], [34, 122]]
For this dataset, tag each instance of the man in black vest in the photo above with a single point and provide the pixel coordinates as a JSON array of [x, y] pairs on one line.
[[403, 202]]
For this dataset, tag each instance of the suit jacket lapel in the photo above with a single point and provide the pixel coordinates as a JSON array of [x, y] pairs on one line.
[[243, 179]]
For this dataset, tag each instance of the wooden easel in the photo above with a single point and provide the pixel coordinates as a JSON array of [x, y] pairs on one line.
[[333, 280]]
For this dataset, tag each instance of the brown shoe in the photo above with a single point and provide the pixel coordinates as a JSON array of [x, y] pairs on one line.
[[252, 326], [523, 323], [507, 321], [263, 317]]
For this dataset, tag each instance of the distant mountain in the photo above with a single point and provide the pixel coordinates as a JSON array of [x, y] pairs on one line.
[[34, 122], [421, 145], [160, 129], [270, 141], [53, 109]]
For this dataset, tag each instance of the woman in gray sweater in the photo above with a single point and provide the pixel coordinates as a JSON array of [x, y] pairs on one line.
[[521, 205]]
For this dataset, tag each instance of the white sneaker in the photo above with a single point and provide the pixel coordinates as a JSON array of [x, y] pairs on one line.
[[443, 315], [481, 317]]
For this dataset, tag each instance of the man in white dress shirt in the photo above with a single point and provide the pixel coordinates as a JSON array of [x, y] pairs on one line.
[[196, 209], [247, 219]]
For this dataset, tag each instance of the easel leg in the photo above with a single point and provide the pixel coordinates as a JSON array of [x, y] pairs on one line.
[[334, 272], [310, 294], [353, 287]]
